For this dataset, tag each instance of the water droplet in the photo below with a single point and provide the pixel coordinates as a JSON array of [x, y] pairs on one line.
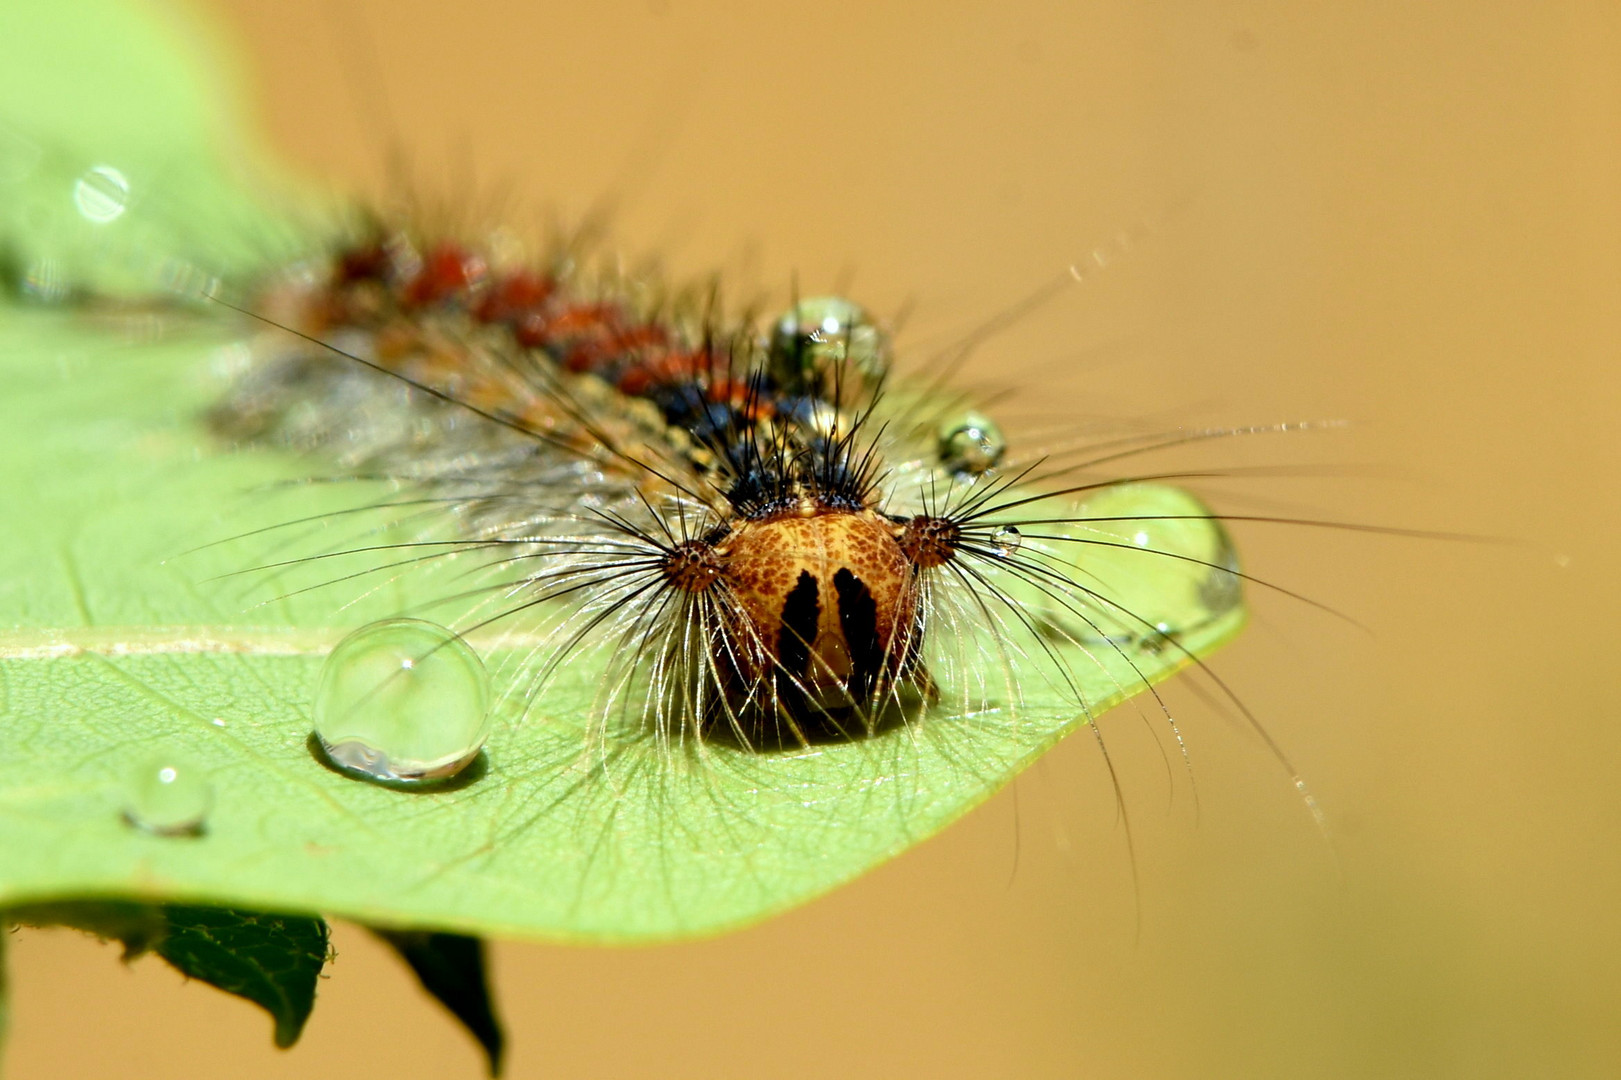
[[817, 335], [970, 445], [169, 796], [402, 700], [1006, 540], [1156, 553], [101, 194]]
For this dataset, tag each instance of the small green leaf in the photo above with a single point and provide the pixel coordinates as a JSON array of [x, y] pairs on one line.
[[452, 968], [272, 960], [138, 927]]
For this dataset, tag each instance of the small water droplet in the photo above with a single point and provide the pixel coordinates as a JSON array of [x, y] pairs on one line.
[[169, 796], [402, 700], [970, 445], [101, 194], [1006, 539]]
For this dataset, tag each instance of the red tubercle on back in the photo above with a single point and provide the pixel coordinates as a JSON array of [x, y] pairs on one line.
[[410, 296], [515, 298], [448, 272], [614, 350], [666, 368]]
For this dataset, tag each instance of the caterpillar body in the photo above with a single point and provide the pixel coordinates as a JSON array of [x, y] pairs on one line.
[[780, 540]]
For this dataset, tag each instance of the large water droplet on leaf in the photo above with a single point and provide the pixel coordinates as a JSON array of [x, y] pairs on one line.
[[1159, 557], [1149, 564], [402, 700]]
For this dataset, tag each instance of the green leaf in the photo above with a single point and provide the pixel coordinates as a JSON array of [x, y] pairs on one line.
[[452, 968], [119, 652], [116, 648], [272, 960], [138, 927]]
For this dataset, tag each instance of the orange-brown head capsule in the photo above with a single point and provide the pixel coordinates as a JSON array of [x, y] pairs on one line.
[[819, 603]]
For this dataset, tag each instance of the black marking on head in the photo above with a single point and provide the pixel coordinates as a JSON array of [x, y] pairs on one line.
[[858, 619], [800, 613]]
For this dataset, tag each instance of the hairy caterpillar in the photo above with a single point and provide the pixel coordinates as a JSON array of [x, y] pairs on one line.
[[768, 537], [780, 542], [725, 534], [744, 531]]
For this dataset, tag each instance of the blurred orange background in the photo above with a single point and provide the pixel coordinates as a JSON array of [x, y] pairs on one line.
[[1404, 216]]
